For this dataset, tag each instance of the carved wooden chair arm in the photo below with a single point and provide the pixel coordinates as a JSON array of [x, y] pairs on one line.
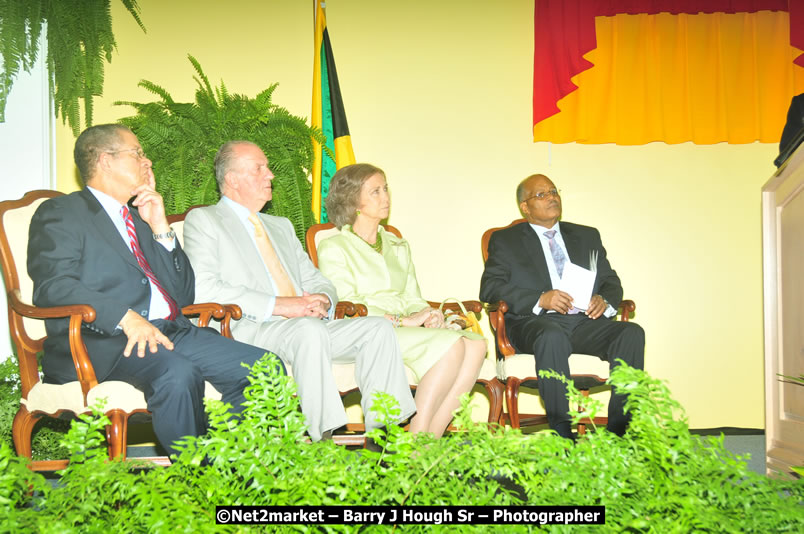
[[470, 305], [626, 309], [78, 314], [502, 306], [496, 311], [205, 311], [233, 311], [86, 312], [345, 308]]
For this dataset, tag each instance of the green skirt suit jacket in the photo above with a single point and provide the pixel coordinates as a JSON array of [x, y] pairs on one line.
[[386, 283]]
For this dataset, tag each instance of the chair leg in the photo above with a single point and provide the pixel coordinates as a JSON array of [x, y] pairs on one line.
[[21, 430], [512, 400], [495, 390], [581, 424], [117, 433]]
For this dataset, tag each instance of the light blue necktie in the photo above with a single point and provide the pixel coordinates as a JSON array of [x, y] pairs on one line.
[[560, 259], [555, 249]]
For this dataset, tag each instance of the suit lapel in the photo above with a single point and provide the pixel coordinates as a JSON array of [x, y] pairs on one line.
[[230, 224], [532, 244], [106, 228], [575, 249]]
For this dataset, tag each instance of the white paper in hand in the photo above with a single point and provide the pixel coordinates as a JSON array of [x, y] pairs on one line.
[[579, 283]]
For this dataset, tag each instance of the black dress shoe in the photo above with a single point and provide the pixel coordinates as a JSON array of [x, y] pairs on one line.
[[371, 445], [564, 430], [509, 484]]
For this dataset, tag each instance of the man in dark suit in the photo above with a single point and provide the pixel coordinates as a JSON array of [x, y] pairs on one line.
[[524, 267], [99, 246], [794, 124]]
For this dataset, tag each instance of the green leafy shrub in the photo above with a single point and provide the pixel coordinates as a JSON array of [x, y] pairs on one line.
[[79, 41], [181, 138], [799, 469], [9, 397], [659, 478], [47, 435]]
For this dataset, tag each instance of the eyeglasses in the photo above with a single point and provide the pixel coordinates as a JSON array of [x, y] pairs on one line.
[[138, 153], [541, 195]]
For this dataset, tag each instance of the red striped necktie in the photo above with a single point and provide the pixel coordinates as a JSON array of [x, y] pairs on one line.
[[135, 247]]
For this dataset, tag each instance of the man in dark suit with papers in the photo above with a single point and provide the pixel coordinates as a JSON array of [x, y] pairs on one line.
[[525, 267]]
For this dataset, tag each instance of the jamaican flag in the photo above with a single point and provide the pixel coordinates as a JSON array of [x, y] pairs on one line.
[[328, 115]]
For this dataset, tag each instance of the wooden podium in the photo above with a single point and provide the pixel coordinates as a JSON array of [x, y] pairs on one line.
[[783, 273]]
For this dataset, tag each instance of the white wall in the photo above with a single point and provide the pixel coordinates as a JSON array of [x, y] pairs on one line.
[[27, 151]]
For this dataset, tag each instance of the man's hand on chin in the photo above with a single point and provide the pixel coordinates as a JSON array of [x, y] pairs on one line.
[[151, 207]]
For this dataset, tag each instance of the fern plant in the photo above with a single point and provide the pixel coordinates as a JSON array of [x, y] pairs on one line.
[[47, 435], [798, 469], [79, 41], [181, 138], [659, 478]]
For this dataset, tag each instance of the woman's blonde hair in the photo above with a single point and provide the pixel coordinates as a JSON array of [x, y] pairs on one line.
[[344, 192]]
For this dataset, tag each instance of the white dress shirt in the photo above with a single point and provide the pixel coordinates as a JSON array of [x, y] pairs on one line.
[[158, 308], [555, 280], [243, 213]]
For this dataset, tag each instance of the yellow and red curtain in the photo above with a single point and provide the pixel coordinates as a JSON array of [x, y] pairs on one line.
[[706, 71]]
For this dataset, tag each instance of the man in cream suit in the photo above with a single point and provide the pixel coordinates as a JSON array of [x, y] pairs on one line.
[[255, 260]]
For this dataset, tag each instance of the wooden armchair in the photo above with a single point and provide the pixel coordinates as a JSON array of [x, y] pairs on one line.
[[28, 334], [487, 377], [515, 370]]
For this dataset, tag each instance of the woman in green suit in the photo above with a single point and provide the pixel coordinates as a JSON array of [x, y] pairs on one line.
[[374, 267]]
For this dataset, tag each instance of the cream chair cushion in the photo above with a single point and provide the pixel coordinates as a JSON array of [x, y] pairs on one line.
[[524, 365], [17, 221], [488, 371], [323, 234], [50, 398]]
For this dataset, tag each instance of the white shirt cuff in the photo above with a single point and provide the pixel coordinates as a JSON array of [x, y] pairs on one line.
[[331, 315], [269, 310], [168, 246]]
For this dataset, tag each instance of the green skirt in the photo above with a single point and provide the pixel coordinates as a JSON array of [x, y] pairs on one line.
[[423, 347]]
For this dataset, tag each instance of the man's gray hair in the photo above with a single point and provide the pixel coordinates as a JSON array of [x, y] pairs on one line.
[[520, 191], [93, 142], [225, 159]]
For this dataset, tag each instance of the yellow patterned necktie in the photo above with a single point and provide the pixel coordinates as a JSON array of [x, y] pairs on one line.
[[278, 273]]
